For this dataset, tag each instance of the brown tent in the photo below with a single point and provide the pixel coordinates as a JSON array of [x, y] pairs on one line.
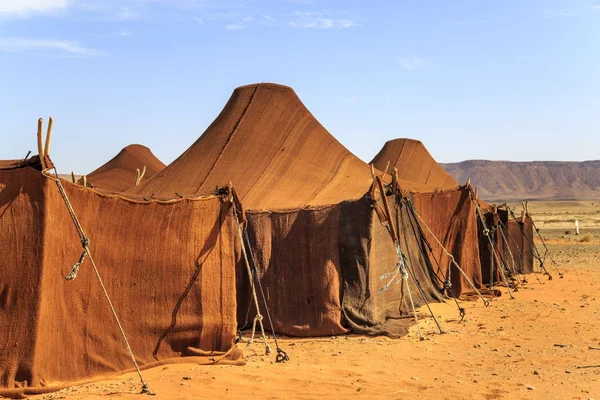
[[445, 207], [318, 241], [120, 173], [520, 231], [168, 267]]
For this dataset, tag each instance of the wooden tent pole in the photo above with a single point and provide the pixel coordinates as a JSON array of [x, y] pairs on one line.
[[40, 142], [48, 137]]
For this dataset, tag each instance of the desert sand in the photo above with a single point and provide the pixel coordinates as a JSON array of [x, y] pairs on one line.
[[544, 344]]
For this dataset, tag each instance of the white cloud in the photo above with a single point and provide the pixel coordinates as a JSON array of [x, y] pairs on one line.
[[559, 14], [21, 7], [411, 62], [124, 33], [352, 100], [234, 27], [199, 20], [127, 14], [27, 45], [318, 22]]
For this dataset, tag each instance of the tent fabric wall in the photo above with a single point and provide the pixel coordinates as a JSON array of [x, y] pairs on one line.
[[321, 271], [451, 217], [492, 258], [169, 268], [521, 231], [369, 263]]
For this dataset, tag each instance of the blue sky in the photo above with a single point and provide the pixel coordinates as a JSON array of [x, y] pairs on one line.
[[510, 80]]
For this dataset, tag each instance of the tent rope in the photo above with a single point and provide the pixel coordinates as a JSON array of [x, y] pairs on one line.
[[424, 243], [413, 275], [486, 233], [546, 249], [534, 249], [512, 258], [258, 319], [512, 239], [281, 355], [86, 251], [450, 256]]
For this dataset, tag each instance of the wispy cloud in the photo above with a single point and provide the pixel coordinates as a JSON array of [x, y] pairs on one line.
[[199, 20], [352, 100], [595, 7], [23, 7], [320, 20], [234, 27], [411, 63], [46, 46], [559, 14], [126, 14]]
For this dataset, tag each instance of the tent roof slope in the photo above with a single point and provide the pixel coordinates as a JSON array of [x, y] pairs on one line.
[[273, 150], [415, 164], [119, 174]]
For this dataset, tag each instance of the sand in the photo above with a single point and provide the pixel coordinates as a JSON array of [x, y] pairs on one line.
[[526, 348]]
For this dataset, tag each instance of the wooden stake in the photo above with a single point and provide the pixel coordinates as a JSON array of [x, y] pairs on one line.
[[73, 177], [386, 168], [48, 137], [40, 142], [139, 177]]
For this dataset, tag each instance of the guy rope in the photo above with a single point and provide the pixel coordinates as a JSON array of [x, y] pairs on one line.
[[519, 251], [85, 243], [534, 249], [424, 245], [448, 254], [486, 233], [546, 250], [401, 265], [250, 263]]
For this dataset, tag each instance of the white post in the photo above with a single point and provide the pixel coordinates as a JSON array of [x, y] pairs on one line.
[[577, 227]]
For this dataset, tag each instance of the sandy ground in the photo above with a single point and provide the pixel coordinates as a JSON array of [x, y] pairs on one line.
[[544, 344]]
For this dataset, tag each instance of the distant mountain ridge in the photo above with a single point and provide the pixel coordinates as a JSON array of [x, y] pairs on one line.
[[530, 180]]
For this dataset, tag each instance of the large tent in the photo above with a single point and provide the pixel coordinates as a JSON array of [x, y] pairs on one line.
[[171, 279], [312, 211], [122, 171], [445, 207]]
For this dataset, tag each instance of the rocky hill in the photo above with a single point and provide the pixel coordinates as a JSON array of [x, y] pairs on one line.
[[547, 180]]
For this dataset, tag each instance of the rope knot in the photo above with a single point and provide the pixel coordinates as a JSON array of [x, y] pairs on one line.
[[486, 232], [85, 242]]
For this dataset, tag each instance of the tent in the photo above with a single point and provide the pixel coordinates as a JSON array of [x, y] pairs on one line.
[[168, 267], [313, 218], [446, 208], [121, 172]]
